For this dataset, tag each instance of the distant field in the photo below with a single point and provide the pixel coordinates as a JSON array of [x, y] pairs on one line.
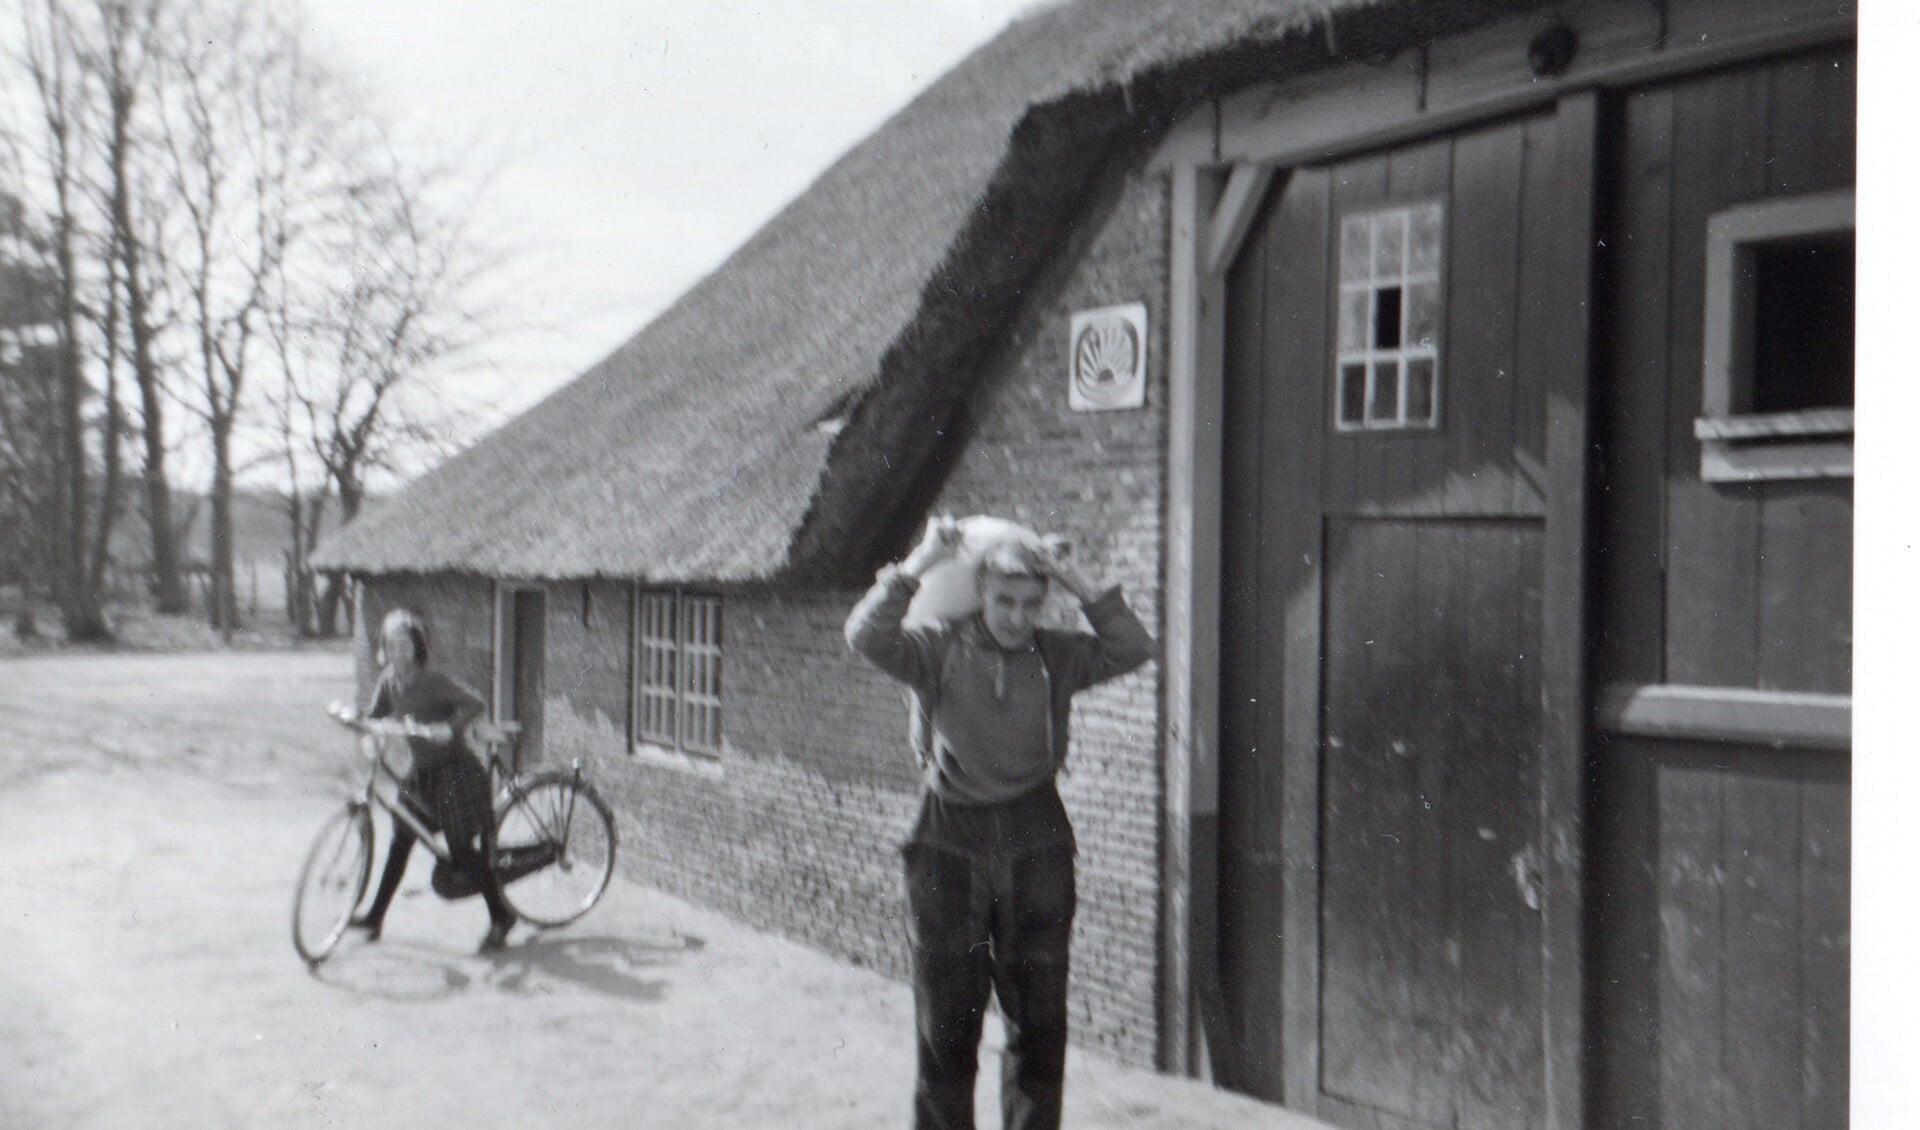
[[260, 540]]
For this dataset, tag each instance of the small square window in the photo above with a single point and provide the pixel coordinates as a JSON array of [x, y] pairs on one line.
[[1777, 382], [1386, 372]]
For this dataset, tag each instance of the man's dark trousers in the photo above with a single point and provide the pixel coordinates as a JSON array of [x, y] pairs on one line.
[[1001, 921]]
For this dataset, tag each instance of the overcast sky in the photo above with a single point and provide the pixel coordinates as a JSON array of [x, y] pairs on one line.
[[637, 142]]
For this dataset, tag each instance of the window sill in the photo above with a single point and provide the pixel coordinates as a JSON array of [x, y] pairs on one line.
[[694, 764], [1816, 444], [1780, 719]]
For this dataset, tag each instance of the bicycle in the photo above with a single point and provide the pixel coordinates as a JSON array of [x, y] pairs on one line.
[[554, 843]]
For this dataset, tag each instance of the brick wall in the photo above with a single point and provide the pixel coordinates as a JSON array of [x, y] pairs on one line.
[[588, 665], [795, 827]]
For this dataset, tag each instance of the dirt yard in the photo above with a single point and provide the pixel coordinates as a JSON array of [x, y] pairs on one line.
[[154, 810]]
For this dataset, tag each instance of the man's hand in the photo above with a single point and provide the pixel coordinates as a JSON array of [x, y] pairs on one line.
[[942, 541], [1055, 555]]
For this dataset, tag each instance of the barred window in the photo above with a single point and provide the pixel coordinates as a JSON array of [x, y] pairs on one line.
[[1387, 368], [677, 671]]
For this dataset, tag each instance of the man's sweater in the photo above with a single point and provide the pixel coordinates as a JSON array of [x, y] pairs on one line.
[[999, 717]]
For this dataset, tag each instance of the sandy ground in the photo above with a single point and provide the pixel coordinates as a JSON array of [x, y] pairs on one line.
[[154, 810]]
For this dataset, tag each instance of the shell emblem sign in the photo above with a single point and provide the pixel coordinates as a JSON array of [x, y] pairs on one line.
[[1107, 358]]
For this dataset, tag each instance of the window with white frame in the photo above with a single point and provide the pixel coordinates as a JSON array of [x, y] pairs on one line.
[[1387, 366], [677, 671], [1777, 381]]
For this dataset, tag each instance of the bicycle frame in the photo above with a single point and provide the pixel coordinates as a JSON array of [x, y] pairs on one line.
[[534, 812], [373, 749], [508, 789]]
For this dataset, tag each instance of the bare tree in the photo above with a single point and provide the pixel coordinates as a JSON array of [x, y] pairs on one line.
[[388, 301], [231, 226], [28, 396], [237, 133], [81, 66], [124, 59], [61, 92], [113, 428]]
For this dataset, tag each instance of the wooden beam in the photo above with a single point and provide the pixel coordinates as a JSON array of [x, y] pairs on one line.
[[1565, 335], [1239, 206], [1482, 75], [1782, 719], [1191, 140], [502, 645], [1189, 208], [1723, 462]]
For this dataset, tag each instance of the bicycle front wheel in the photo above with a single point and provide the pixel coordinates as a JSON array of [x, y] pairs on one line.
[[567, 833], [331, 882]]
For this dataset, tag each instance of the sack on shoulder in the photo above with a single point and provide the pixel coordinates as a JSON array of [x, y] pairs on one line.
[[951, 590]]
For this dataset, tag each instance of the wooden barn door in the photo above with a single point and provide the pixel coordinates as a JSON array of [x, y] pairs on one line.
[[1384, 503], [1722, 840]]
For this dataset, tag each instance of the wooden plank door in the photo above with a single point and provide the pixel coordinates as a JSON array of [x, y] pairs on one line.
[[1381, 842], [1430, 859], [520, 666], [1722, 947]]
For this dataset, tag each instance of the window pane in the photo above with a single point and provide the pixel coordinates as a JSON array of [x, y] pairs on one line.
[[1354, 249], [1384, 404], [1389, 239], [1386, 318], [1353, 393], [1803, 323], [1423, 315], [700, 694], [1353, 320], [658, 668], [1420, 391]]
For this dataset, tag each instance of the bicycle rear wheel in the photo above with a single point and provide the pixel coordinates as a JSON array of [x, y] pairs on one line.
[[332, 881], [557, 825]]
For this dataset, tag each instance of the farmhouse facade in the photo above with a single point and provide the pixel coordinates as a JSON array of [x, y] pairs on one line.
[[1462, 393]]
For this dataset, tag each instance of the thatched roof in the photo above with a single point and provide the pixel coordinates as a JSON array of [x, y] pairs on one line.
[[701, 450]]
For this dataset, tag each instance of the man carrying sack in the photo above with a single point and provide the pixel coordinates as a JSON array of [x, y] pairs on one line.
[[990, 861]]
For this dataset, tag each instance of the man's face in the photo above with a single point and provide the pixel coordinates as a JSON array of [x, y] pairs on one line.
[[1011, 608]]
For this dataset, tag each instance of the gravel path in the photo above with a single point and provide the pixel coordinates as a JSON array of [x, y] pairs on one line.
[[153, 813]]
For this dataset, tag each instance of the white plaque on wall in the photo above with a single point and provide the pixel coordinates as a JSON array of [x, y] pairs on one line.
[[1107, 358]]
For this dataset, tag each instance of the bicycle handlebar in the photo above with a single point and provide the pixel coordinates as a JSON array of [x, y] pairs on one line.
[[378, 730], [404, 727], [492, 738]]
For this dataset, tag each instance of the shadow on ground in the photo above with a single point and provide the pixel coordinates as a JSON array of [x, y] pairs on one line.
[[602, 964], [414, 972]]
